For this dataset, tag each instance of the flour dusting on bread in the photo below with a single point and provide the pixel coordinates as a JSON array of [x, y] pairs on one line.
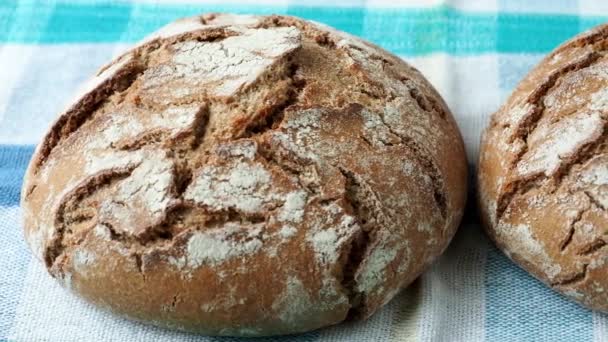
[[213, 247], [543, 171]]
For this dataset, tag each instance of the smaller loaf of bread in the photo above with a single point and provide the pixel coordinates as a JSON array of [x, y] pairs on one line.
[[239, 175], [543, 171]]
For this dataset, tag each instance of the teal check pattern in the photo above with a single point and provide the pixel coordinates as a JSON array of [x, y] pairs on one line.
[[474, 52]]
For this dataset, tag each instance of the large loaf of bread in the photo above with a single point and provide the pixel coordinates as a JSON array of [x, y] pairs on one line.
[[240, 175]]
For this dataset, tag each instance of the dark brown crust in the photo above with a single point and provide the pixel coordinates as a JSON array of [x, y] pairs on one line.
[[80, 112]]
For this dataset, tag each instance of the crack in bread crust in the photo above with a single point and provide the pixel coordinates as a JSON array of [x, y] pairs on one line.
[[78, 114], [64, 233], [359, 246], [529, 124], [425, 103], [542, 176], [429, 164], [568, 238], [121, 81], [598, 40], [573, 280]]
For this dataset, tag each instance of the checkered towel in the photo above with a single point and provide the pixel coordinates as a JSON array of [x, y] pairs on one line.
[[473, 51]]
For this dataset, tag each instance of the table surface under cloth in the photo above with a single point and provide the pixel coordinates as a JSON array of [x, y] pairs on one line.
[[473, 52]]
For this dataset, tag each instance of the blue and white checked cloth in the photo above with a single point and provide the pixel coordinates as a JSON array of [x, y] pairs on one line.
[[473, 51]]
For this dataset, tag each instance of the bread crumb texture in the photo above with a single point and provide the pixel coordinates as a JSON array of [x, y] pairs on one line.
[[244, 175], [543, 171]]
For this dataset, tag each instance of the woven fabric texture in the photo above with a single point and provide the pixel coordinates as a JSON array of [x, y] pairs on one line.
[[473, 51]]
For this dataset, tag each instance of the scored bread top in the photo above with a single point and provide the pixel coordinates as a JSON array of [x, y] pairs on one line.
[[543, 174], [242, 175]]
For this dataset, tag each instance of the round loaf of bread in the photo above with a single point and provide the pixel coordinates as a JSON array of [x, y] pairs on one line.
[[543, 171], [249, 176]]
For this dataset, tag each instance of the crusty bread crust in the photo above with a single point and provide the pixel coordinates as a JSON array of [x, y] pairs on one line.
[[241, 175], [543, 171]]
